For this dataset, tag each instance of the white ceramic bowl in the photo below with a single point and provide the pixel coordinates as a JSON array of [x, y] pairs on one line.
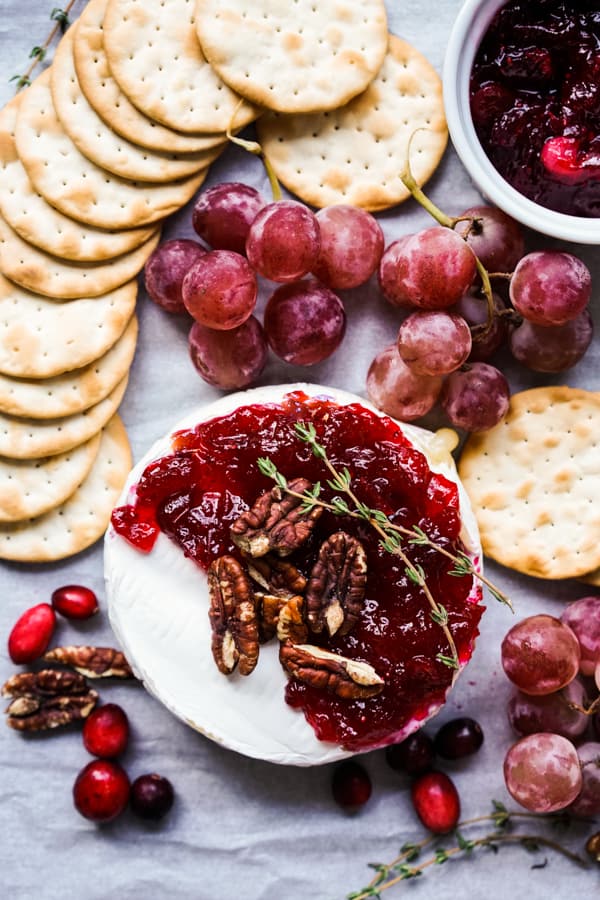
[[471, 24]]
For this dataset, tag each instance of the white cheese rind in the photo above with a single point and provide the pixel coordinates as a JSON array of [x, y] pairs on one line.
[[158, 604]]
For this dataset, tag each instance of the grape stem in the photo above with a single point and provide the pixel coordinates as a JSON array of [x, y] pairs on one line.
[[587, 711], [255, 148], [400, 869], [408, 180]]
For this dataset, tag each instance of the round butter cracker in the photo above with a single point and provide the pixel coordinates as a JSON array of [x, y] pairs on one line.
[[37, 271], [534, 482], [294, 57], [40, 337], [33, 438], [155, 56], [31, 487], [101, 145], [112, 105], [83, 517], [355, 154], [71, 392], [76, 186], [40, 224]]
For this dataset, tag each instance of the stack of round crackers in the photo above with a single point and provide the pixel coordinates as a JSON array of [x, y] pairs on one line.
[[116, 135]]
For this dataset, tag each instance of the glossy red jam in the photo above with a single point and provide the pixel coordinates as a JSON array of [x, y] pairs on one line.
[[535, 101], [194, 494]]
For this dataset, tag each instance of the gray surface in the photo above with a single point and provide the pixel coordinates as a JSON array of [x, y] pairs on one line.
[[242, 828]]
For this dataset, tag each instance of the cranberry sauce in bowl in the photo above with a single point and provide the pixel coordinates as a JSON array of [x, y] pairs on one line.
[[535, 101], [195, 492]]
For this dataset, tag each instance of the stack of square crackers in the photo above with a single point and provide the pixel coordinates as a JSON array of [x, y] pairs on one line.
[[117, 134]]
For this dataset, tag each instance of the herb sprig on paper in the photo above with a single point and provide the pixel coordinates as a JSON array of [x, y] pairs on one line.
[[38, 53], [393, 537]]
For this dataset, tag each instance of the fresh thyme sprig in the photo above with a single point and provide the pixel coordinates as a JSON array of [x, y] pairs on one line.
[[391, 534], [403, 867], [60, 17]]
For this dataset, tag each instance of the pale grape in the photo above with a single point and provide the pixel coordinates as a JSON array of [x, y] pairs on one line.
[[304, 322], [222, 215], [431, 269], [434, 343], [550, 288], [220, 290], [542, 772], [229, 359], [351, 246], [583, 618], [283, 242], [540, 654], [397, 390], [476, 397]]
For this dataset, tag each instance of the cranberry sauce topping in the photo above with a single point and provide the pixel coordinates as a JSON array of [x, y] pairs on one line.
[[535, 101], [194, 495]]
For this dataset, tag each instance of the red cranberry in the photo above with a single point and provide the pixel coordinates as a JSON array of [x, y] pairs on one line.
[[415, 755], [436, 802], [106, 731], [101, 790], [73, 601], [31, 633], [351, 785], [151, 796], [458, 738]]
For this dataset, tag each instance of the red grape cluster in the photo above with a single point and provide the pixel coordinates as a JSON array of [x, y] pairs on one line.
[[444, 342], [451, 330], [304, 320], [555, 664]]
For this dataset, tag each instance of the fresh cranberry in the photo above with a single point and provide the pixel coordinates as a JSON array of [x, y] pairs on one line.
[[351, 785], [31, 633], [458, 738], [415, 755], [436, 802], [101, 790], [151, 796], [106, 731], [73, 601]]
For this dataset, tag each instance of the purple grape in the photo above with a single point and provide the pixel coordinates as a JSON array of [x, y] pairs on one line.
[[473, 309], [165, 270], [395, 389], [351, 246], [219, 291], [540, 654], [550, 288], [552, 348], [476, 398], [229, 359], [304, 322], [495, 238], [284, 241], [583, 618], [542, 772], [550, 712], [223, 214], [588, 801]]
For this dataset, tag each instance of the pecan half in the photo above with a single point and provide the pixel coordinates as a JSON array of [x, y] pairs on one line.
[[47, 699], [279, 577], [337, 584], [94, 662], [347, 678], [291, 625], [268, 607], [276, 522], [232, 616]]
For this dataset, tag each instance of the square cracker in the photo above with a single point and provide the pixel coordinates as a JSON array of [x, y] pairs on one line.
[[534, 482]]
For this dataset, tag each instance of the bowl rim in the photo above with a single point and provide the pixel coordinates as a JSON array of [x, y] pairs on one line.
[[471, 23]]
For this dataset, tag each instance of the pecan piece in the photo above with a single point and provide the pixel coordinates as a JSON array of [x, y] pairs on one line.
[[276, 522], [279, 577], [268, 607], [232, 616], [47, 699], [347, 678], [337, 584], [291, 625], [94, 662]]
